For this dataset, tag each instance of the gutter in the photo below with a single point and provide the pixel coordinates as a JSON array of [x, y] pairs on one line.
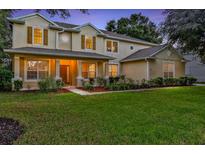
[[16, 21], [136, 59], [129, 40]]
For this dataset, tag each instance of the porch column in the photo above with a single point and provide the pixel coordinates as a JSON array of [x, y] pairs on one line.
[[57, 69], [106, 71], [16, 68], [79, 77]]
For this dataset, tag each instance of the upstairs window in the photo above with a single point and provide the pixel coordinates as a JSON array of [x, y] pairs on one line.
[[88, 42], [38, 36], [88, 70], [168, 69], [113, 70], [112, 46]]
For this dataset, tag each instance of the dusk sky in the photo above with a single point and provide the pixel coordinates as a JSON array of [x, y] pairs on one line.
[[99, 17]]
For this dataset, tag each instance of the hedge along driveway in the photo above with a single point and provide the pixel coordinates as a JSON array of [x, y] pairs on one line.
[[166, 116]]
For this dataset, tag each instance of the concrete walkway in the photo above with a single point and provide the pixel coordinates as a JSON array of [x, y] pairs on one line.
[[85, 93], [199, 84]]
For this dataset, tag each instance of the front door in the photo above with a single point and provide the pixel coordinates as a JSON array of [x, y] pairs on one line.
[[65, 73]]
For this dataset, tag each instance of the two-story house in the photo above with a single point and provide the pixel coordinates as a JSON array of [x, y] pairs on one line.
[[72, 53]]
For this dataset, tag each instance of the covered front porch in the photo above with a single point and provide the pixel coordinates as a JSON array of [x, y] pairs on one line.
[[72, 70]]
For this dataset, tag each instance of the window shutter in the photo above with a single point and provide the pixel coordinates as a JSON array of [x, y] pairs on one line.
[[29, 35], [82, 41], [94, 43], [45, 36]]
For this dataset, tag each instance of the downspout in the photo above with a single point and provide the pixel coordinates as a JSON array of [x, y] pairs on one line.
[[148, 71]]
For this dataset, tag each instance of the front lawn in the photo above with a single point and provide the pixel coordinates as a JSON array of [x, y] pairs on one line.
[[167, 116]]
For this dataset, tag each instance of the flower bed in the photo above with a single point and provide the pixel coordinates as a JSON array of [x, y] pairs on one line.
[[122, 83], [95, 89]]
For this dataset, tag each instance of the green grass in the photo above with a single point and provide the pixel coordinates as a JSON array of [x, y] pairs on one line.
[[167, 116]]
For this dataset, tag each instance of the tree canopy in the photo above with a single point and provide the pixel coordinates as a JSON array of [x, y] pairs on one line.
[[137, 26], [185, 29]]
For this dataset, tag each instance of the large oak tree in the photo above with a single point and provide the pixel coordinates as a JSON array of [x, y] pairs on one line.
[[137, 26], [185, 29]]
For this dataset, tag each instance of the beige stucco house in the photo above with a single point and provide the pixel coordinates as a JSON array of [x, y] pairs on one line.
[[73, 53]]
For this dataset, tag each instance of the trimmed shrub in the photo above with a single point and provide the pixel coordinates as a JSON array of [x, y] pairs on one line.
[[169, 81], [183, 81], [92, 81], [131, 84], [191, 80], [5, 79], [88, 86], [18, 84], [114, 79], [159, 81], [144, 84], [47, 84], [59, 83], [101, 81]]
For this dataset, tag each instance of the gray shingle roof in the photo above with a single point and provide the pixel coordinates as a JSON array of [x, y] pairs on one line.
[[144, 53], [66, 25], [123, 36], [58, 52], [111, 34]]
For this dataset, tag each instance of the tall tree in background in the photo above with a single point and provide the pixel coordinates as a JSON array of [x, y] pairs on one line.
[[137, 26], [186, 30], [5, 28]]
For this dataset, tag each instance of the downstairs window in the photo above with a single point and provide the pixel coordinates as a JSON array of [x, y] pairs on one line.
[[37, 69], [168, 69], [113, 70], [88, 70]]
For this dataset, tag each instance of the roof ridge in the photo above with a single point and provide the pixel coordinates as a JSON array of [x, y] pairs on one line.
[[161, 47]]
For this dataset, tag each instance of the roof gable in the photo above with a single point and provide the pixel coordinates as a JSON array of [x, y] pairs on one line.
[[22, 18], [144, 53], [91, 25]]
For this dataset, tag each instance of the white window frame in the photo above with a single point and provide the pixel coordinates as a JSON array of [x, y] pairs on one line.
[[86, 49], [37, 45], [96, 69], [111, 52], [118, 68], [26, 68], [174, 69]]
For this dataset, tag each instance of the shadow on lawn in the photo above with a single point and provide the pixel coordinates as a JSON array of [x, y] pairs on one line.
[[10, 130]]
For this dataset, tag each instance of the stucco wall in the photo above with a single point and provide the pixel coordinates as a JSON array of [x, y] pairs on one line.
[[156, 66], [20, 33], [64, 41], [136, 70], [70, 41]]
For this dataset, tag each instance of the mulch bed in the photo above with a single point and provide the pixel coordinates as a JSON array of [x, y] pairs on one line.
[[63, 90], [96, 89], [10, 130]]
